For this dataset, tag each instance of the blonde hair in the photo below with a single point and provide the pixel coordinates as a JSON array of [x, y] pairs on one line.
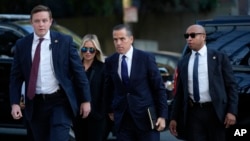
[[93, 38]]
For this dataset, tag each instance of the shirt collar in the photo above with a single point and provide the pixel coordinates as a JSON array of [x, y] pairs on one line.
[[202, 51], [129, 53], [46, 36]]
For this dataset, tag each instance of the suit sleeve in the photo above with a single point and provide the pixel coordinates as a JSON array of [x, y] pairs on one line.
[[16, 78], [230, 85], [158, 88], [178, 95]]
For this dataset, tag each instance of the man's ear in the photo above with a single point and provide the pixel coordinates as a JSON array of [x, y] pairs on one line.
[[132, 39]]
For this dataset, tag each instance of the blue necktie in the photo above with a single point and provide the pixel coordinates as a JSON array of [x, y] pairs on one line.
[[195, 79], [124, 71]]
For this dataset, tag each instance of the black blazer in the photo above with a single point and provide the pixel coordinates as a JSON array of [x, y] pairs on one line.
[[96, 80], [222, 86]]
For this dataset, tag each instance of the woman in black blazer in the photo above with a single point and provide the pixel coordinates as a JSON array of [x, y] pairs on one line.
[[92, 127]]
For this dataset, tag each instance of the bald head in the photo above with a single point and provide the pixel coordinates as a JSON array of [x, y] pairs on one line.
[[195, 37], [197, 28]]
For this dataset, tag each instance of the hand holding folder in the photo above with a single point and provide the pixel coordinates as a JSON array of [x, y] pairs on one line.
[[152, 117]]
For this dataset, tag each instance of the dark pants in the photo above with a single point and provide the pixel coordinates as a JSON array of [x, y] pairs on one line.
[[51, 120], [129, 132], [109, 128], [89, 129], [204, 125]]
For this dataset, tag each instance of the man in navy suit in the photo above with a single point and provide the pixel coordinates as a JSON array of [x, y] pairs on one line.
[[131, 95], [204, 115], [50, 108]]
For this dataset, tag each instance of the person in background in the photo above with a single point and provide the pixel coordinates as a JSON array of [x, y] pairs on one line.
[[206, 98], [134, 84], [92, 128], [50, 66]]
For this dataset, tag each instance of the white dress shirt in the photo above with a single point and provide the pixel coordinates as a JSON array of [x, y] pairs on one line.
[[46, 80], [129, 56], [202, 75]]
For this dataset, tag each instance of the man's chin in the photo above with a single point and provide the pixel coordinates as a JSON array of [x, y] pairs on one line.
[[41, 34], [119, 51]]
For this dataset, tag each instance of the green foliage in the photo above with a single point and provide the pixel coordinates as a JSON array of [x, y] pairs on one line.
[[67, 8]]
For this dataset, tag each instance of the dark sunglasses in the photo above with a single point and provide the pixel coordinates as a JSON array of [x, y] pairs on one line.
[[192, 35], [90, 49]]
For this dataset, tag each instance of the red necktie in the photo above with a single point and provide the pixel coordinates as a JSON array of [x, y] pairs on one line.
[[34, 71]]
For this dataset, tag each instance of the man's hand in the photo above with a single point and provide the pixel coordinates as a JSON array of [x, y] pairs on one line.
[[230, 120], [85, 109], [16, 111], [160, 124], [172, 127], [111, 116]]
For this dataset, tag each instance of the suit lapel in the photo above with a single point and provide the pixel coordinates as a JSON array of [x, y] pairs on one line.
[[115, 68], [211, 64], [185, 67], [135, 57], [184, 72], [92, 72], [28, 51], [54, 46]]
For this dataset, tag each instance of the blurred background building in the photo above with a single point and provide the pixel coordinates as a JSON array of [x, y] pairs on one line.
[[157, 24]]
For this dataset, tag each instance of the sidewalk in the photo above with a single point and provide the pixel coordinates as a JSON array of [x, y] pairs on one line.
[[165, 136]]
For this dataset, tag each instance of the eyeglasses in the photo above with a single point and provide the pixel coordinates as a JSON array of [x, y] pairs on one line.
[[90, 49], [192, 35]]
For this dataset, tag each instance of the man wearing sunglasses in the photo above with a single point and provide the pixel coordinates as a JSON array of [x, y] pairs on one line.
[[206, 92], [134, 84]]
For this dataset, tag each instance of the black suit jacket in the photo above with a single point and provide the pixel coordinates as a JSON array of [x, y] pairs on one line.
[[222, 86], [145, 89], [67, 66]]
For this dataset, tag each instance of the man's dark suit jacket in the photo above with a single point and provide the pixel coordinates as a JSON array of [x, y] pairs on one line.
[[222, 87], [145, 89], [67, 66]]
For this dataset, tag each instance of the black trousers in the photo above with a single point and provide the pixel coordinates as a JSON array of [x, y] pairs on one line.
[[204, 125], [89, 129]]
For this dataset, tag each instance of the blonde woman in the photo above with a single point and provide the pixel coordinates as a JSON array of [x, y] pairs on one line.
[[92, 127]]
